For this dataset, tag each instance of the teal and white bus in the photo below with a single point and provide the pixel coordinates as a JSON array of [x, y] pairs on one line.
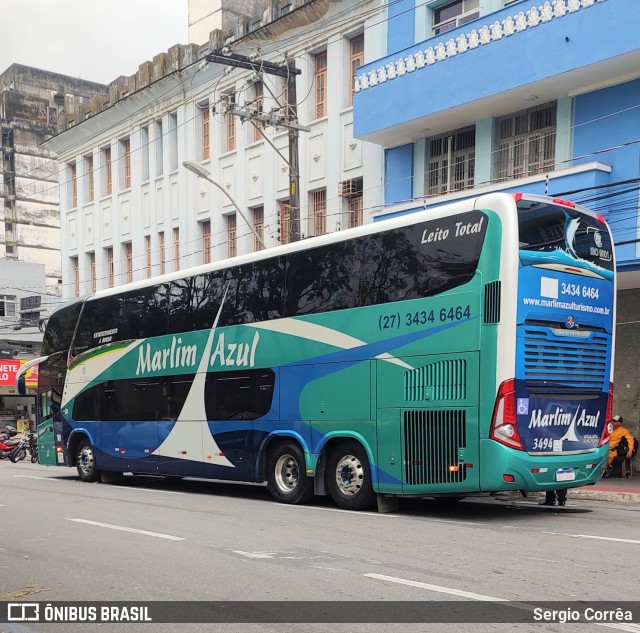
[[450, 352]]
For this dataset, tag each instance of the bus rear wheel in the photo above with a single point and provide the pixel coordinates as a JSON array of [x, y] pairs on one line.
[[348, 477], [287, 480], [86, 463]]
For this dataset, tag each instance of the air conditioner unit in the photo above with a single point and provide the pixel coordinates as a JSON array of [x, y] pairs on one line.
[[350, 188]]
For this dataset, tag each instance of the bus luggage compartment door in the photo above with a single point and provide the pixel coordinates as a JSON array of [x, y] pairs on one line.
[[46, 443], [428, 415]]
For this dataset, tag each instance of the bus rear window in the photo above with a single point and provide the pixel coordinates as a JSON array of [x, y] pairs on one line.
[[550, 228]]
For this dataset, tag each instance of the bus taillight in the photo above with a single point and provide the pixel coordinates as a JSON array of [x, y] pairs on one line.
[[608, 426], [504, 427]]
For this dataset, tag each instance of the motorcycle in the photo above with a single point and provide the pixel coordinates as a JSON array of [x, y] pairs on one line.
[[28, 443], [7, 444]]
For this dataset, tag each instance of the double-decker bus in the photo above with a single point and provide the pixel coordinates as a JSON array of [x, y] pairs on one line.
[[459, 350]]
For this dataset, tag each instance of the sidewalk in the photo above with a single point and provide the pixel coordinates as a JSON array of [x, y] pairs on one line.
[[626, 490]]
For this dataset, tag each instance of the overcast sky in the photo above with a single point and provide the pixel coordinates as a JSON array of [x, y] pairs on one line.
[[96, 40]]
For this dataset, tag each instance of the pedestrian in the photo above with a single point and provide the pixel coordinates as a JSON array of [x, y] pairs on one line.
[[620, 434], [551, 496]]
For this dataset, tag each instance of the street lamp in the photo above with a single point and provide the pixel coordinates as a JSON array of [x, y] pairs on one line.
[[205, 174]]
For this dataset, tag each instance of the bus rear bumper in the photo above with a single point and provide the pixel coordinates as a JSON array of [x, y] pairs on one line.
[[537, 472]]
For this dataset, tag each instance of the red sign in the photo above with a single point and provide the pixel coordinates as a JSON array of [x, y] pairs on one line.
[[8, 371]]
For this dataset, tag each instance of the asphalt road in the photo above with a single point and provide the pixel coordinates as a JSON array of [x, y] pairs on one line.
[[154, 540]]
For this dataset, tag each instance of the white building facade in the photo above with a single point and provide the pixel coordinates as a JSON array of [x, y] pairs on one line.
[[129, 208]]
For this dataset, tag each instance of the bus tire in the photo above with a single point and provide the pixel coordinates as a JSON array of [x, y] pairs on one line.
[[287, 480], [86, 463], [348, 477]]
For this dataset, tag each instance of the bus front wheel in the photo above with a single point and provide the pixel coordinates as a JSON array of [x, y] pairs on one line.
[[348, 477], [287, 480], [86, 463]]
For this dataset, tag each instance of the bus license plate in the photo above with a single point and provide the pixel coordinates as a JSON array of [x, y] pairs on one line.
[[566, 474]]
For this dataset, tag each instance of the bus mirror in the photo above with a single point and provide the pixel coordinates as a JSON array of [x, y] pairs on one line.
[[21, 385]]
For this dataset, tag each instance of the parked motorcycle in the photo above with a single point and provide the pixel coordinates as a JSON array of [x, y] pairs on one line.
[[28, 443], [7, 444]]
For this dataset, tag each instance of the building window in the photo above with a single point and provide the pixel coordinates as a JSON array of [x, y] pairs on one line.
[[451, 161], [92, 269], [454, 14], [144, 153], [525, 142], [355, 211], [320, 83], [159, 148], [176, 249], [161, 249], [232, 235], [319, 212], [205, 228], [75, 267], [205, 130], [258, 106], [284, 221], [110, 272], [108, 174], [357, 59], [7, 306], [258, 226], [74, 185], [90, 185], [230, 123], [128, 256], [173, 141], [147, 250], [125, 170]]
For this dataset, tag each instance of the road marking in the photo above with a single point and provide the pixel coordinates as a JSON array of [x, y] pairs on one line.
[[354, 512], [630, 627], [34, 477], [122, 528], [437, 588], [254, 554], [598, 538]]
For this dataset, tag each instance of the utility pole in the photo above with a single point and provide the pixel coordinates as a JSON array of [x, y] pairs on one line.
[[290, 120], [294, 159]]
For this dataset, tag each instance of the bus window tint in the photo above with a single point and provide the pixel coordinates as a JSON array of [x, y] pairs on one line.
[[134, 400], [175, 390], [254, 293], [144, 313], [323, 279], [194, 302], [60, 328], [421, 260], [239, 395]]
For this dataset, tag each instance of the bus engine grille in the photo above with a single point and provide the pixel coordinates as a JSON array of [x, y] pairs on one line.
[[564, 366], [432, 441], [442, 380]]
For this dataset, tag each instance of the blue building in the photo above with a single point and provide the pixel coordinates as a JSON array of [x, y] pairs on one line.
[[542, 97]]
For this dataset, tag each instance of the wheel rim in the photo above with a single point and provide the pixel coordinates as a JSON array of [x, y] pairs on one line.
[[287, 473], [349, 475], [85, 460]]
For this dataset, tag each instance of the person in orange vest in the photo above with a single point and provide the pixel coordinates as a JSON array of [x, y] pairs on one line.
[[615, 438]]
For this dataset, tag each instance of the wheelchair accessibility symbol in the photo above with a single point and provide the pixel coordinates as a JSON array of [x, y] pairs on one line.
[[523, 406]]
